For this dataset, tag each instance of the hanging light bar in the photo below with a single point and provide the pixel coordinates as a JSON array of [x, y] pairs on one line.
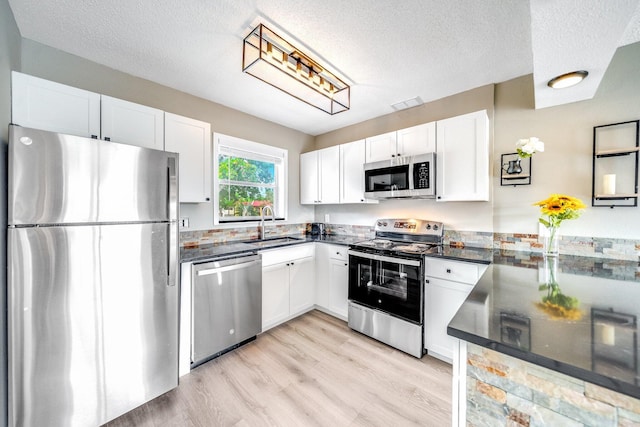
[[270, 58]]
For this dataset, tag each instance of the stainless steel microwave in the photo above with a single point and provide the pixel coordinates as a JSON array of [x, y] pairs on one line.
[[401, 177]]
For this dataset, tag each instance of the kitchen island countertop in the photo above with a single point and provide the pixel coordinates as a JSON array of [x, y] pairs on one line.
[[574, 315]]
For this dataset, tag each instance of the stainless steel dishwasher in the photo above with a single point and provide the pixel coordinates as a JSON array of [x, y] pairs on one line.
[[226, 305]]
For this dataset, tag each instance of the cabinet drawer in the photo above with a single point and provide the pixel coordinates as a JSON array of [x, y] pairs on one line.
[[278, 255], [464, 272], [339, 253]]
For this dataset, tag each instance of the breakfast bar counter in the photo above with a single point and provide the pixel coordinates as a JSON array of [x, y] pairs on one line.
[[547, 338]]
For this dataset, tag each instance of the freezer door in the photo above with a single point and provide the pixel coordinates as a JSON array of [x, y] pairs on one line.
[[64, 179], [93, 322]]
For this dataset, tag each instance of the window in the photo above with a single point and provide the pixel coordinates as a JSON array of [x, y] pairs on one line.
[[247, 177]]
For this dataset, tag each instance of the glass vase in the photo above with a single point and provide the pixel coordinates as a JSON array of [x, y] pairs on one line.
[[552, 241]]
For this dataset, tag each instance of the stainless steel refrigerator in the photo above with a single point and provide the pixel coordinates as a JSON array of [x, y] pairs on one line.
[[92, 286]]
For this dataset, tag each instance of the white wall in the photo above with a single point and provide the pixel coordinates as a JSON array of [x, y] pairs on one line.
[[461, 216], [565, 166]]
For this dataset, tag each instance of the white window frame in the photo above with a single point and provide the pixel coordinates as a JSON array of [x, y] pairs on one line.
[[220, 142]]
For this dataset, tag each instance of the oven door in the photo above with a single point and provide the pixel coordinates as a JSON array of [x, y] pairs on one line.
[[390, 284]]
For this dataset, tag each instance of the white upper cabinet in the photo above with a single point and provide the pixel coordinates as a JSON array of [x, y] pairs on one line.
[[192, 140], [133, 124], [462, 171], [319, 177], [417, 139], [405, 142], [46, 105], [381, 147], [309, 178], [352, 158]]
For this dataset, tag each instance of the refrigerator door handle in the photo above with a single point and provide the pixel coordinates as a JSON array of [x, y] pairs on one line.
[[172, 205]]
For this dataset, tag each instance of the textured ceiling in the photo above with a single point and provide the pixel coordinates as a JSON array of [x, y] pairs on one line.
[[389, 51]]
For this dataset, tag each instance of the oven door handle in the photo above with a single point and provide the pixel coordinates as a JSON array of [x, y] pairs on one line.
[[383, 258]]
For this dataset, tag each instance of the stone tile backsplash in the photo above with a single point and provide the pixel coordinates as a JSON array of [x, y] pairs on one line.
[[502, 390], [595, 247]]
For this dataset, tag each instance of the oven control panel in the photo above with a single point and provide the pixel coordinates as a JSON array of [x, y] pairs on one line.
[[410, 226]]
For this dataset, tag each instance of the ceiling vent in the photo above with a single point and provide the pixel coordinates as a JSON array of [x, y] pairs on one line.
[[407, 103]]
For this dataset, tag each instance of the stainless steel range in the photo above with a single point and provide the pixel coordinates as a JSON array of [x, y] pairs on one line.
[[386, 282]]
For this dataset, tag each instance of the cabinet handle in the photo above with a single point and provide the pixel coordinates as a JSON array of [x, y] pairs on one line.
[[207, 199], [426, 281], [94, 136], [292, 263], [337, 253], [362, 200], [346, 265], [393, 155], [107, 138], [399, 155], [448, 270]]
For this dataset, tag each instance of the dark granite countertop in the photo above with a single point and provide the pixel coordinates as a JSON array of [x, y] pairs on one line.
[[215, 250], [586, 328], [477, 255]]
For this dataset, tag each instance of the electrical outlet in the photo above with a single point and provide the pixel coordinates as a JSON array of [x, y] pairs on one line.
[[184, 222], [326, 218]]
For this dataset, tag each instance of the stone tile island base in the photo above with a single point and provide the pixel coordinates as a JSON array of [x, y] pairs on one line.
[[504, 391]]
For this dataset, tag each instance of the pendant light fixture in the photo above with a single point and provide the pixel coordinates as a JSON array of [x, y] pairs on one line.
[[568, 79], [270, 58]]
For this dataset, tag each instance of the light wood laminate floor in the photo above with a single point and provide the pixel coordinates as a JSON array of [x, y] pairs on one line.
[[310, 371]]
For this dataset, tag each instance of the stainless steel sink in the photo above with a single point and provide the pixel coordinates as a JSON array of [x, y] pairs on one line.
[[275, 241]]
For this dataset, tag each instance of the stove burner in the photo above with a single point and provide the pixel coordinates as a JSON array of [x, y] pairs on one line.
[[416, 248]]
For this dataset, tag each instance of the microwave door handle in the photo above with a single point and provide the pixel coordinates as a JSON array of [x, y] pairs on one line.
[[384, 258]]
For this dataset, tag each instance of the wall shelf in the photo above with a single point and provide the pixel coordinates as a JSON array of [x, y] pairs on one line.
[[616, 149]]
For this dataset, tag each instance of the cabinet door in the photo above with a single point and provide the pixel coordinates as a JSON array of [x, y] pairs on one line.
[[443, 298], [463, 158], [329, 175], [46, 105], [352, 157], [309, 178], [417, 139], [381, 147], [301, 285], [133, 124], [275, 294], [192, 140], [339, 287], [322, 274]]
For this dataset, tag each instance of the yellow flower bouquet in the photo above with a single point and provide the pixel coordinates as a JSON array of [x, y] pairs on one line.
[[555, 209]]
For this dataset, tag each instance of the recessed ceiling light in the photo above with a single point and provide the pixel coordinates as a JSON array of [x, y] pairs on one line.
[[567, 80]]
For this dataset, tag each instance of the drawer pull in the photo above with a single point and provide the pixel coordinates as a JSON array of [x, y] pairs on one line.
[[448, 270]]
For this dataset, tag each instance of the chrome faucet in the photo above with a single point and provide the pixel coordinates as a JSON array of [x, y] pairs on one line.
[[262, 214]]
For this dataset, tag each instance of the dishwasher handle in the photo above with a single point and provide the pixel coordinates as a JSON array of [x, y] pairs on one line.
[[229, 265]]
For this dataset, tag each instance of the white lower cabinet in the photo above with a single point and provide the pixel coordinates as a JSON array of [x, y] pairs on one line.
[[288, 283], [332, 287], [448, 283], [301, 285]]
